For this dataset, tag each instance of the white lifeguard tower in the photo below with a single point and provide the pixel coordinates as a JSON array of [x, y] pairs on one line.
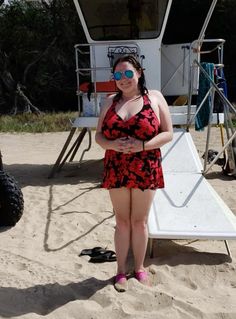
[[117, 27]]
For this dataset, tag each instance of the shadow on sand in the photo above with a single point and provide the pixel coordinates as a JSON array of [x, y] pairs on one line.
[[43, 299], [168, 252], [71, 173]]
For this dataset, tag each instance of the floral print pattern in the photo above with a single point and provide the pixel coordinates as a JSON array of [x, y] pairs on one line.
[[141, 170]]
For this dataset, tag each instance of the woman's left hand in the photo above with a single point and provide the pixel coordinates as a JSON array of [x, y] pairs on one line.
[[132, 145]]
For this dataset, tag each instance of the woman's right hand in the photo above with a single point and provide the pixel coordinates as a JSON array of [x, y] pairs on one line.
[[120, 145], [127, 145]]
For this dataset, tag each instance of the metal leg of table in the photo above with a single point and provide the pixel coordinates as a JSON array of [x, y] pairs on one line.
[[227, 248], [88, 148], [151, 247], [57, 163], [74, 147], [78, 142]]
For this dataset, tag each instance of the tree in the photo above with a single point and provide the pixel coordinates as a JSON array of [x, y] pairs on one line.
[[37, 38], [222, 25], [192, 13], [37, 55]]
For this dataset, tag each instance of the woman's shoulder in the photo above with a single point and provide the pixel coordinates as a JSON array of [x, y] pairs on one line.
[[108, 102], [157, 100], [154, 97], [154, 94]]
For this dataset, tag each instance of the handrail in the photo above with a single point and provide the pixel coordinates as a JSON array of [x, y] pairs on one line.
[[227, 102], [199, 43], [195, 47]]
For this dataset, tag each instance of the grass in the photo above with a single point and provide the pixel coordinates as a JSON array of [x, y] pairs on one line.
[[32, 123], [47, 122]]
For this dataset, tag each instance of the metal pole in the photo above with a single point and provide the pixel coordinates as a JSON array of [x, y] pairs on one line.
[[218, 155], [1, 164], [209, 128], [216, 88], [206, 22]]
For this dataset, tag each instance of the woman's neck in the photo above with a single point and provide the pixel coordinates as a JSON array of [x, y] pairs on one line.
[[130, 97]]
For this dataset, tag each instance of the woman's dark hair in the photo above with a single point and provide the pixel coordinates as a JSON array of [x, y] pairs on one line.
[[141, 82]]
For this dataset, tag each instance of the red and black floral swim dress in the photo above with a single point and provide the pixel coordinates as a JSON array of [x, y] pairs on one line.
[[141, 170]]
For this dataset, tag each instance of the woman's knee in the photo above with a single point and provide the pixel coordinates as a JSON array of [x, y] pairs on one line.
[[123, 223], [139, 224]]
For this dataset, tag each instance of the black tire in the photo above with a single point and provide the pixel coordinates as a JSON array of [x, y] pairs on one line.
[[11, 200]]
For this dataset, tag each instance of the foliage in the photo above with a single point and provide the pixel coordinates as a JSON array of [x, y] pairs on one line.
[[222, 25], [37, 50], [32, 123], [37, 41]]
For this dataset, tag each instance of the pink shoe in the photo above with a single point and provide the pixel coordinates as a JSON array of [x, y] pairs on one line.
[[142, 277], [121, 284]]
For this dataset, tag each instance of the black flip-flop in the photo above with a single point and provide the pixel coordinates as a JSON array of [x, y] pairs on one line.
[[92, 251], [102, 257]]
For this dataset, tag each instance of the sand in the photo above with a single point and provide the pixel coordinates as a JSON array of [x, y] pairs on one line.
[[42, 274]]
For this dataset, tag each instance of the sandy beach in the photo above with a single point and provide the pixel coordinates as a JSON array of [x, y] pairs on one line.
[[42, 274]]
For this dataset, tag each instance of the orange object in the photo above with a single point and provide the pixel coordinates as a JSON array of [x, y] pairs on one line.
[[108, 86]]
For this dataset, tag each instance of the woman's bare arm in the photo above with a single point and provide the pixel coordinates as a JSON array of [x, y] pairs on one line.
[[117, 144], [161, 109]]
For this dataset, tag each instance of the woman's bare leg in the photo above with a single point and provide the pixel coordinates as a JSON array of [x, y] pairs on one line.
[[120, 198], [140, 205]]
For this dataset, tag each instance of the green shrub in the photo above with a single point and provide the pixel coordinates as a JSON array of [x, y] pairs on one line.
[[31, 123]]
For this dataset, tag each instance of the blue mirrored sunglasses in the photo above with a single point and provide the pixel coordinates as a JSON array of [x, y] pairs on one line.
[[127, 73]]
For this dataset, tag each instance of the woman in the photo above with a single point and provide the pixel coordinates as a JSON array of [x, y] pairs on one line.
[[132, 127]]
